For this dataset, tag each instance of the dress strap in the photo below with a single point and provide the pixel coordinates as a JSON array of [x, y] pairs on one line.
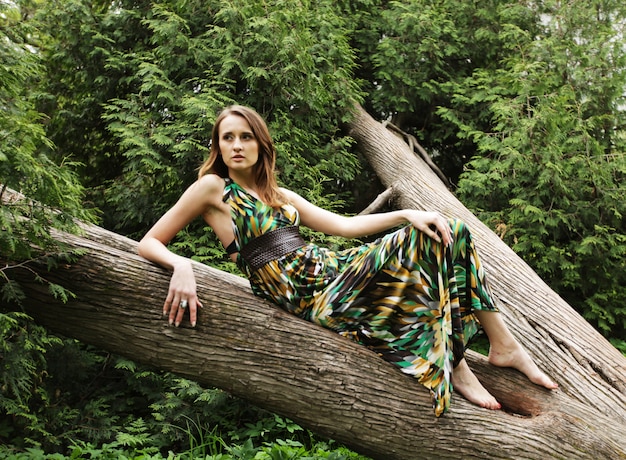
[[227, 183]]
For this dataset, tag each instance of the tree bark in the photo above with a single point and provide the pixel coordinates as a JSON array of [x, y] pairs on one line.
[[333, 386]]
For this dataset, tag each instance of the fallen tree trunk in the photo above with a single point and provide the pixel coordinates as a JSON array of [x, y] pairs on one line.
[[584, 363], [333, 386], [324, 382]]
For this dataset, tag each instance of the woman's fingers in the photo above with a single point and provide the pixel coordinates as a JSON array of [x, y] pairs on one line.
[[180, 312], [193, 311], [167, 306], [176, 305], [439, 229], [446, 231], [172, 308]]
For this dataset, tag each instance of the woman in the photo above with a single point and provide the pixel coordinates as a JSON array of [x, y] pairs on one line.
[[416, 296]]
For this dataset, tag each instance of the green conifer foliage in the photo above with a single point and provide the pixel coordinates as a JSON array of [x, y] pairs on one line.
[[108, 105]]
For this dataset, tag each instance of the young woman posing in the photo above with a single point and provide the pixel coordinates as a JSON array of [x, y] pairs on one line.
[[416, 296]]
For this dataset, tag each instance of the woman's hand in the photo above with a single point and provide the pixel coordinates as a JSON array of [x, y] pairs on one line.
[[202, 198], [182, 295], [432, 224]]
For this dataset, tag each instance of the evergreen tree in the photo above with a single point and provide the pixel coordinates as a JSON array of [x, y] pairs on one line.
[[52, 199], [549, 170], [109, 105]]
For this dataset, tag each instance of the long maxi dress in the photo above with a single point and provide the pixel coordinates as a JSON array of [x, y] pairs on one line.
[[405, 296]]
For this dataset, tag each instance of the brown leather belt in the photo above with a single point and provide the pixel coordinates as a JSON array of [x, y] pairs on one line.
[[271, 246]]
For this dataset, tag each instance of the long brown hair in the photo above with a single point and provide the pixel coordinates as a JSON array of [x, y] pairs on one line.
[[264, 169]]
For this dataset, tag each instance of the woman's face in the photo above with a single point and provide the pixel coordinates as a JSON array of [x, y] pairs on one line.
[[238, 145]]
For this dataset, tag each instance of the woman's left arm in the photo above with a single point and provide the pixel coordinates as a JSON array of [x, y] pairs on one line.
[[431, 223]]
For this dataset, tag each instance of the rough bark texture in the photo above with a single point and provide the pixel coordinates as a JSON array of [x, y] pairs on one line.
[[333, 386]]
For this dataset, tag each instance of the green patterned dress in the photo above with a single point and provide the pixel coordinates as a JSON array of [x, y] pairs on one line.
[[405, 296]]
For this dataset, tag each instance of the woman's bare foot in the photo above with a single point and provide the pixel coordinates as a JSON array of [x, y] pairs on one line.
[[505, 351], [465, 382], [517, 358]]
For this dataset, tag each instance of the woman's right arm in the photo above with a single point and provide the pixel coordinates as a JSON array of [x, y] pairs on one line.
[[197, 200]]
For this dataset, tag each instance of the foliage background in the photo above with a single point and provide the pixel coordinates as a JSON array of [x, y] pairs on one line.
[[106, 114]]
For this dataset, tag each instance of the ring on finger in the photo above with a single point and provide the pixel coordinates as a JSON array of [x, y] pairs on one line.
[[183, 304]]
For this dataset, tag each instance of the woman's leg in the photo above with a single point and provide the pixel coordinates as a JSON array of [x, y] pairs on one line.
[[465, 382], [506, 351]]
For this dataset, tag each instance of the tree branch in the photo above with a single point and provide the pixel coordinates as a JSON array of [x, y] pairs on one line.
[[336, 387]]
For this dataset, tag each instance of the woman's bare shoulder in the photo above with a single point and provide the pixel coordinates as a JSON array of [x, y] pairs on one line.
[[210, 187], [211, 181], [289, 195]]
